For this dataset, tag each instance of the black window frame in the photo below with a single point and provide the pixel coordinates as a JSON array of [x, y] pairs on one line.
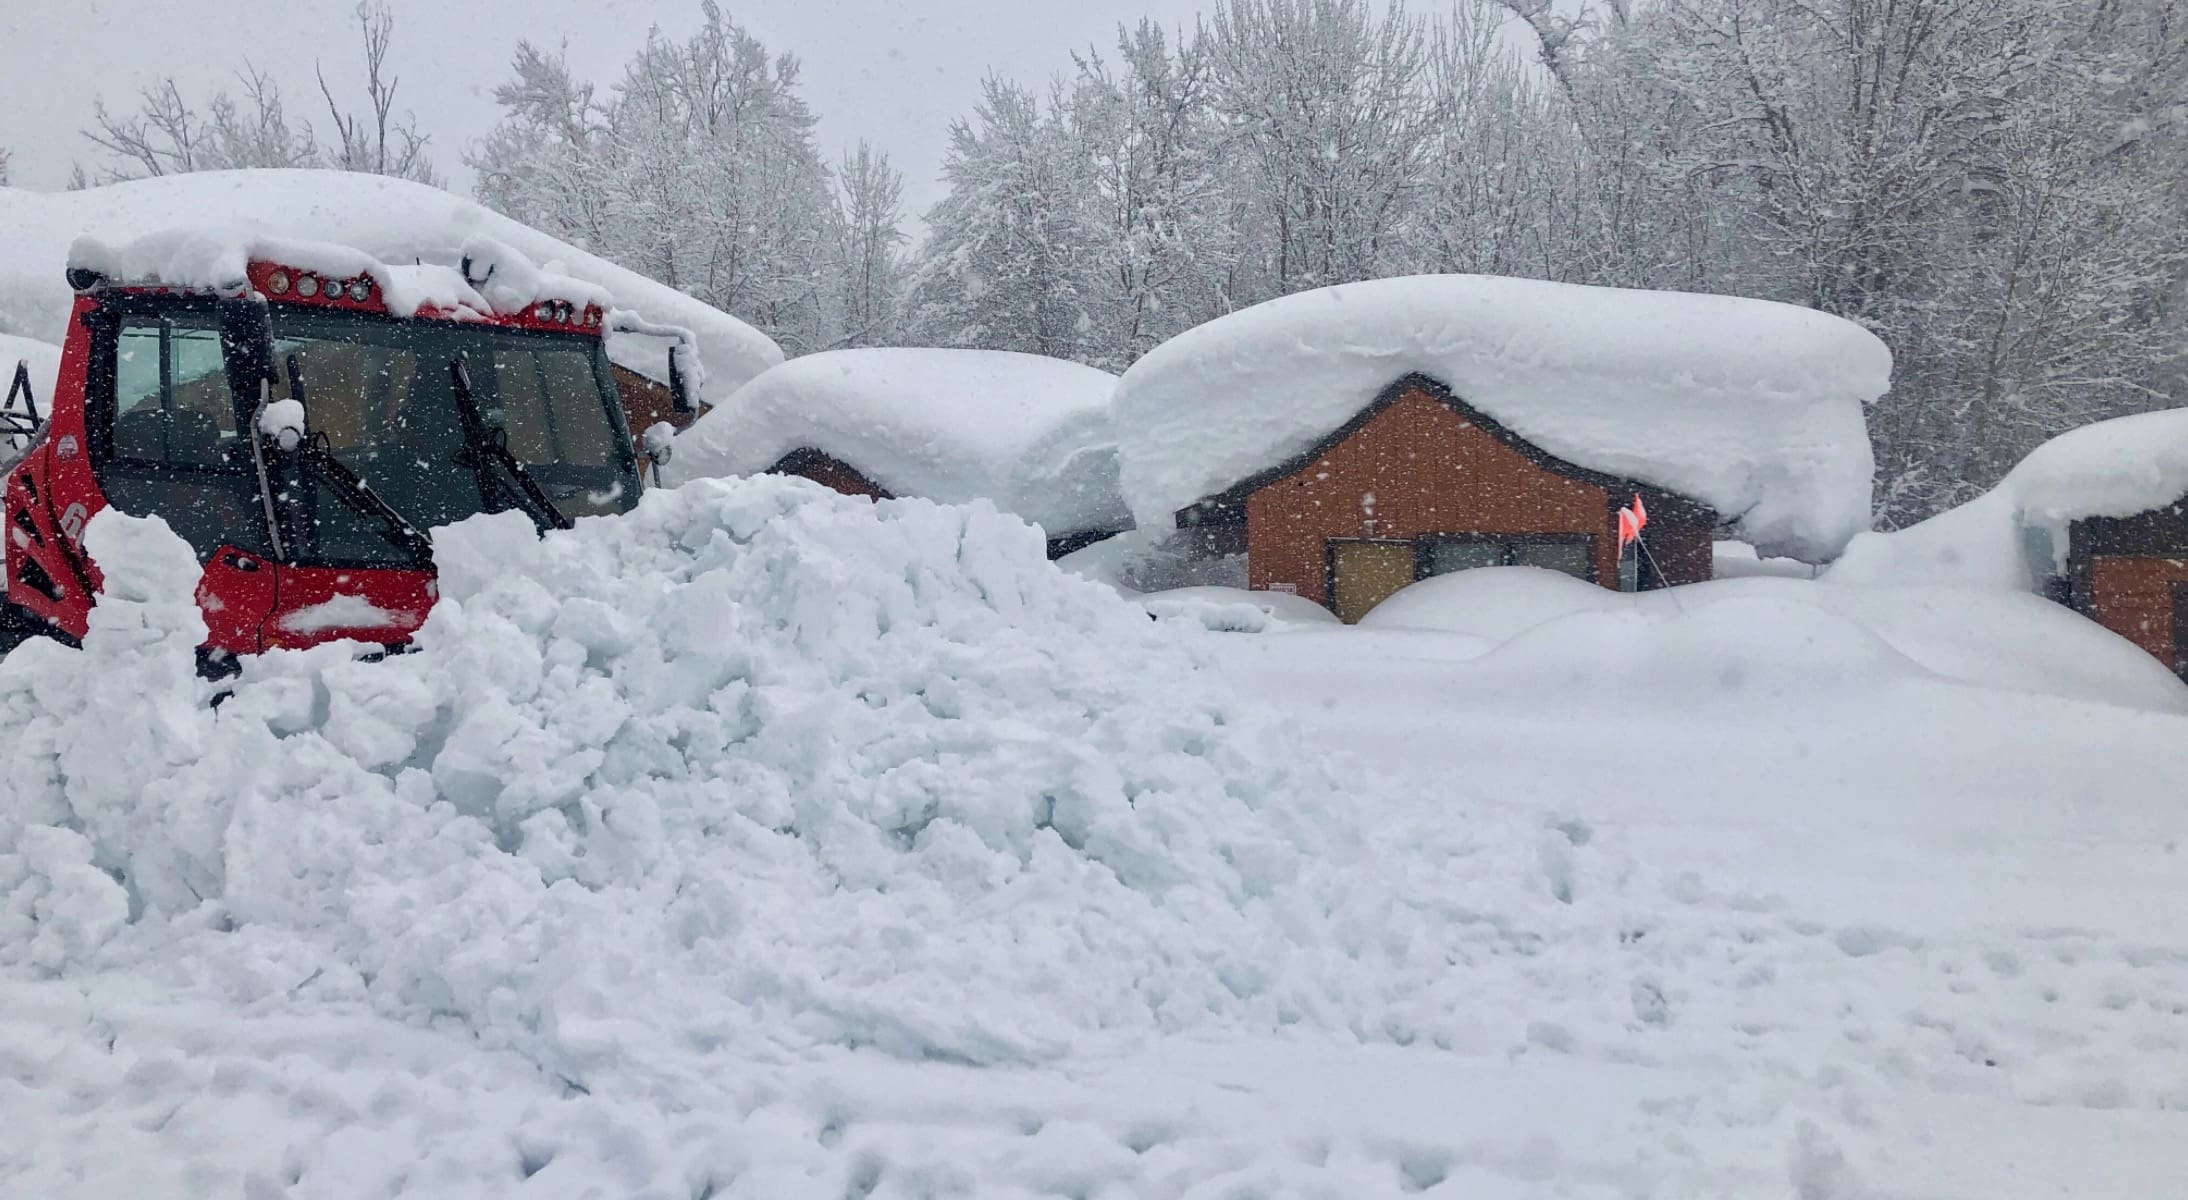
[[102, 408]]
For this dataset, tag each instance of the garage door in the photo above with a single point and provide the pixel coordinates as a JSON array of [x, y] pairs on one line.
[[1364, 574]]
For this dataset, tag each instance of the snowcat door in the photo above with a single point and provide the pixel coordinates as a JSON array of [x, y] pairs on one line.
[[166, 440]]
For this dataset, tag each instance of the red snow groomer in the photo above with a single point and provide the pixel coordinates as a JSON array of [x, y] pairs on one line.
[[302, 431]]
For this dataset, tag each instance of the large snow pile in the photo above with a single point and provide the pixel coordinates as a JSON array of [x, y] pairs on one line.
[[1030, 434], [1727, 633], [757, 757], [392, 221], [1751, 407], [2015, 535]]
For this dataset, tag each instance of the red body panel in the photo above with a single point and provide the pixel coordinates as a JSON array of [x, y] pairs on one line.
[[319, 604], [237, 596], [250, 603], [51, 495]]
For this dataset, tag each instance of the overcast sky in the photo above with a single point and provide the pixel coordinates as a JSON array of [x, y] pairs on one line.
[[895, 72]]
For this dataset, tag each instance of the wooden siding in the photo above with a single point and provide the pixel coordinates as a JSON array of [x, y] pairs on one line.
[[2135, 597], [1418, 467], [831, 472], [646, 403]]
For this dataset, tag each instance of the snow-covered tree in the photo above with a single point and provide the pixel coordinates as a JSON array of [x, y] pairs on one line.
[[1163, 238], [1007, 248], [699, 168], [1949, 172], [873, 265], [1328, 105]]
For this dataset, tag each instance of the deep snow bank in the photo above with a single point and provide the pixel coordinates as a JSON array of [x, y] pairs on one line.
[[1753, 407], [756, 759]]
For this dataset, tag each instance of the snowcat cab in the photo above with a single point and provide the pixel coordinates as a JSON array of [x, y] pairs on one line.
[[303, 434]]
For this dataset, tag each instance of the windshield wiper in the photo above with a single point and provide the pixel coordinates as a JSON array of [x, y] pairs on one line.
[[489, 445], [316, 453]]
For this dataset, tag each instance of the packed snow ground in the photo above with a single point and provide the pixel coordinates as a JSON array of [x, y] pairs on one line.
[[769, 843]]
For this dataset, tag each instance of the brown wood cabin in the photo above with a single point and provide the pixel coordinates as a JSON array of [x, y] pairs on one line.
[[832, 472], [1420, 483], [2130, 575]]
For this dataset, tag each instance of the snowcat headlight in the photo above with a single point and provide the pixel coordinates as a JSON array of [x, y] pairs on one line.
[[564, 313], [307, 286], [278, 282], [360, 289]]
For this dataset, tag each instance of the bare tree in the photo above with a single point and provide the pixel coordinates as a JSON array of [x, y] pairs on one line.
[[167, 136], [5, 155], [377, 142]]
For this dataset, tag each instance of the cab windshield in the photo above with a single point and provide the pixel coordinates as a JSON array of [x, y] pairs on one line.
[[382, 395]]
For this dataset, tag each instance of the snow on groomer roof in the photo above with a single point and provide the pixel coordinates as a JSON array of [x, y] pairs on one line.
[[376, 219]]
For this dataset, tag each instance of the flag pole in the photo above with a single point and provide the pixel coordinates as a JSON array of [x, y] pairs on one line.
[[1669, 589]]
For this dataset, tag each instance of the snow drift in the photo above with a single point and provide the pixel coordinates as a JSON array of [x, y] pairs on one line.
[[393, 221], [1752, 407], [1736, 631], [2015, 535], [1028, 433]]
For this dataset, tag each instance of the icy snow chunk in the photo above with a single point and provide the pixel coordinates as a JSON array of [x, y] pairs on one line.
[[1027, 433], [411, 237], [74, 906], [1751, 407]]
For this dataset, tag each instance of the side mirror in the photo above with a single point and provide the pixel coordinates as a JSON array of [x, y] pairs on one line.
[[655, 444], [679, 387], [283, 421]]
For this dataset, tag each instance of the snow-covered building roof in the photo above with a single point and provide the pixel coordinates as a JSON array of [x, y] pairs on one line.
[[1030, 434], [1751, 407], [2116, 468], [390, 221]]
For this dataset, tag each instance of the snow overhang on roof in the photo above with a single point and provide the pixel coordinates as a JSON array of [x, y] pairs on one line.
[[1027, 433], [408, 227], [2115, 468], [1751, 407]]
